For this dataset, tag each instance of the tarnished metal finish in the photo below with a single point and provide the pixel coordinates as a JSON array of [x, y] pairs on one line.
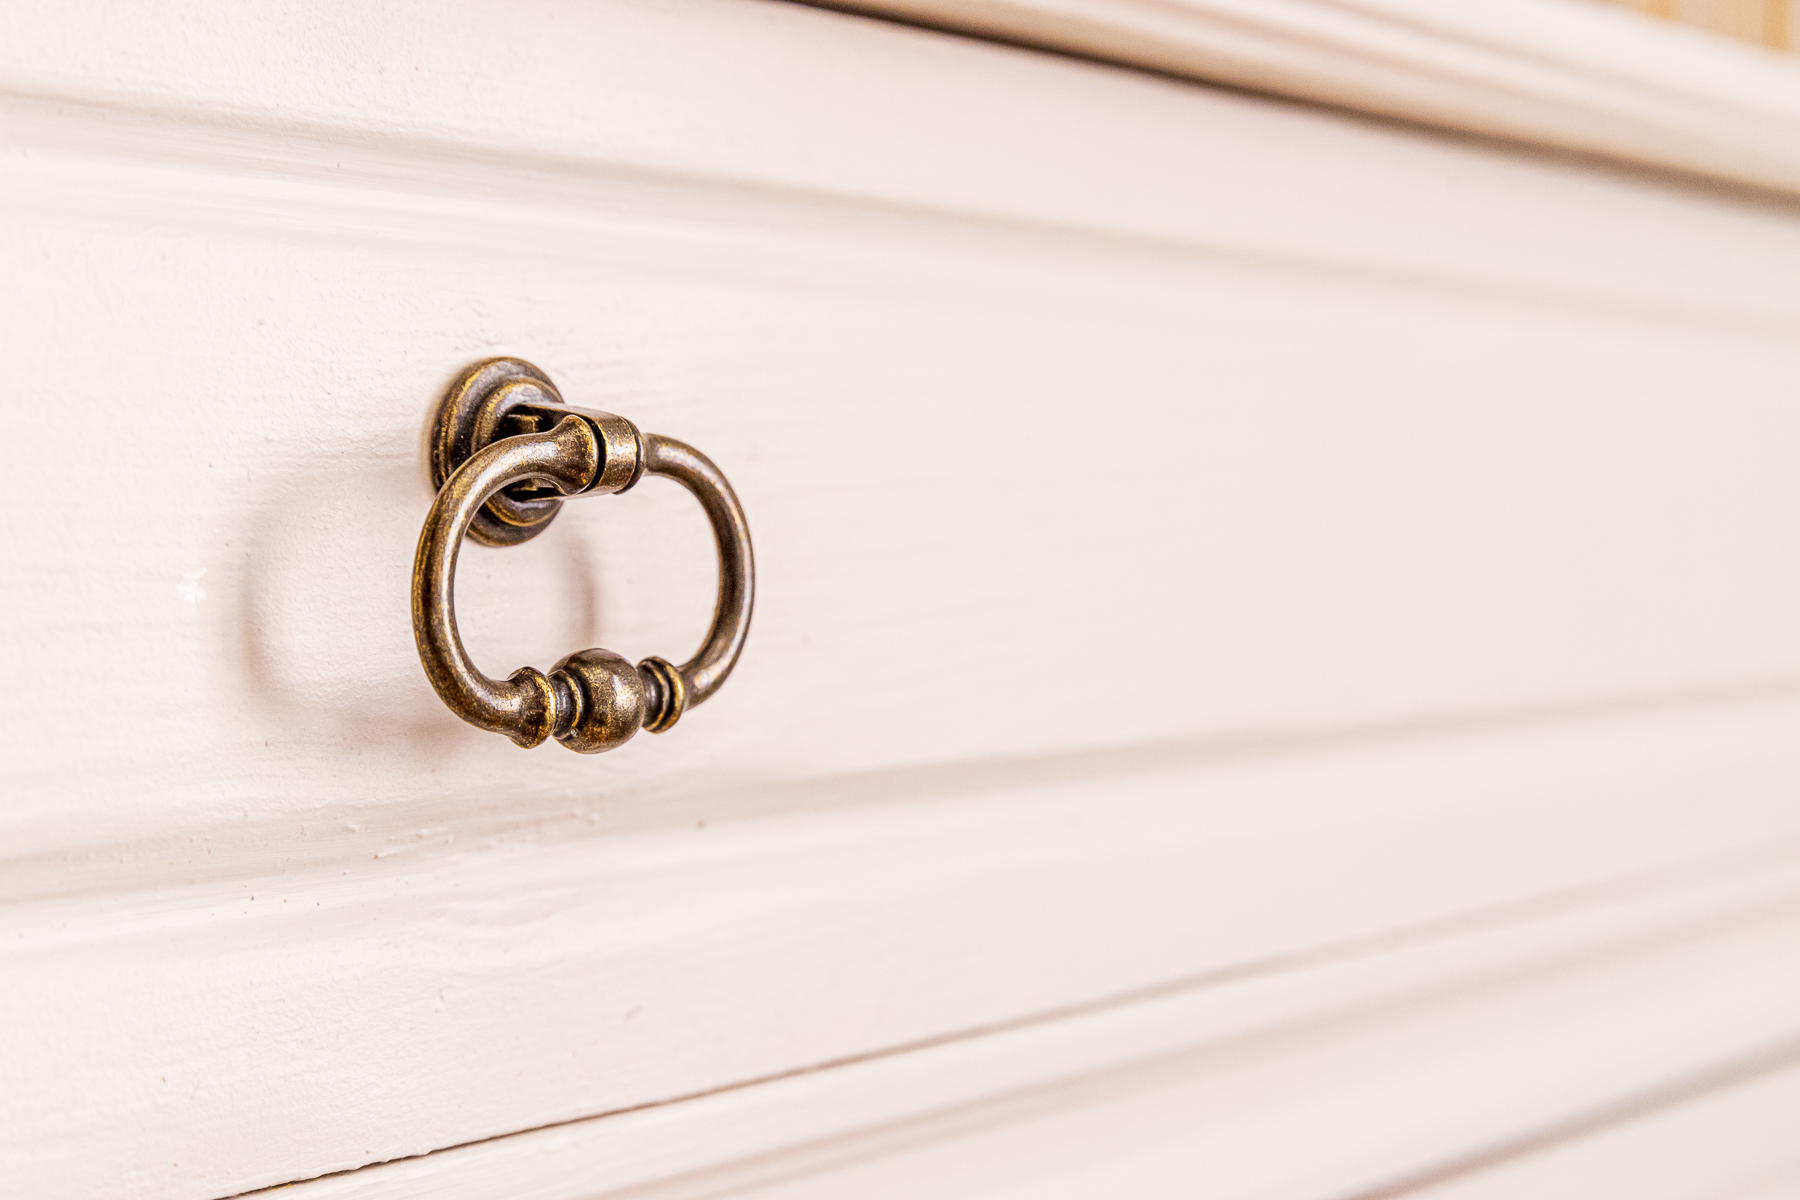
[[506, 453], [525, 706], [470, 416], [608, 700], [665, 693], [712, 663]]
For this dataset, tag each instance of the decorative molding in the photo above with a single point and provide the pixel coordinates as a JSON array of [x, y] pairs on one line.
[[1570, 76], [427, 1002], [1192, 1088], [1456, 471]]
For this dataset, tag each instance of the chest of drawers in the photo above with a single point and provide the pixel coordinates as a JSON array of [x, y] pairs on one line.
[[1276, 668]]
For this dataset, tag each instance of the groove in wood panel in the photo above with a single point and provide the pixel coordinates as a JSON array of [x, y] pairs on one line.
[[587, 1157]]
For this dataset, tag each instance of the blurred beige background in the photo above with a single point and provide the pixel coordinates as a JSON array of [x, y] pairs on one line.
[[1769, 22]]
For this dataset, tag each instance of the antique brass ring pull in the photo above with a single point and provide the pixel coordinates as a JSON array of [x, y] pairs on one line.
[[505, 453]]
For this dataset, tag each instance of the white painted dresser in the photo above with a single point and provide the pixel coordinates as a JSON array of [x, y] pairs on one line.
[[1276, 669]]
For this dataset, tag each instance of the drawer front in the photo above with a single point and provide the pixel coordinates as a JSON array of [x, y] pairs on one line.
[[1192, 533]]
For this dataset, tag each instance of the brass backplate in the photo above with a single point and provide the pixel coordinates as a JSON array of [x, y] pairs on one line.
[[472, 414]]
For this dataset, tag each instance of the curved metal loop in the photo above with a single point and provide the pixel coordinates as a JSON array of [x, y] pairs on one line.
[[593, 700], [703, 674]]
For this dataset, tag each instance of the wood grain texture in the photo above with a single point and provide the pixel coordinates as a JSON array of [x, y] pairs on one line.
[[1543, 72], [1406, 432], [1736, 1143], [1353, 1077], [426, 1000], [1438, 559]]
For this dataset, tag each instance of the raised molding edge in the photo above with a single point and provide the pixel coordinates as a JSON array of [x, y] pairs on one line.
[[1553, 73], [1570, 1063], [598, 980]]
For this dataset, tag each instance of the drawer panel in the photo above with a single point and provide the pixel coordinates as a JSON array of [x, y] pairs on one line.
[[1192, 532], [1016, 489]]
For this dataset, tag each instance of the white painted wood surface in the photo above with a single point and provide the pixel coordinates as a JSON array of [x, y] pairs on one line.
[[1342, 1075], [1434, 578], [1575, 76]]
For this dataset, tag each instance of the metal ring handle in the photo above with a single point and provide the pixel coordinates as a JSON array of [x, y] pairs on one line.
[[593, 700], [705, 673]]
